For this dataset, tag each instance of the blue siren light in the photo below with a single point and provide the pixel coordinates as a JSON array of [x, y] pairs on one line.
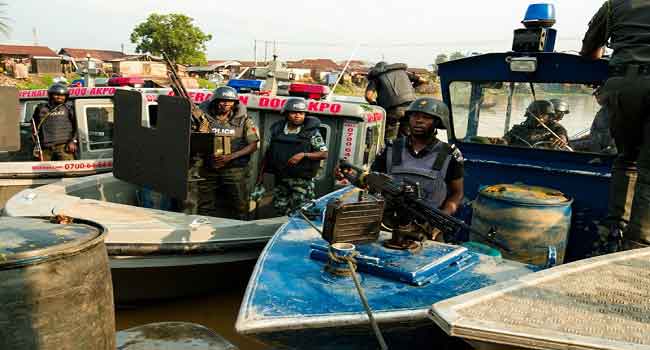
[[539, 16]]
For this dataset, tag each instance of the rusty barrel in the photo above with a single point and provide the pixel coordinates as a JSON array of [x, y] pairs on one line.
[[55, 286], [532, 221]]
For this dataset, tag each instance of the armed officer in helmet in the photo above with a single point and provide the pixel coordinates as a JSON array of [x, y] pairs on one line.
[[624, 25], [226, 171], [55, 126], [391, 86], [539, 130], [296, 148], [420, 157]]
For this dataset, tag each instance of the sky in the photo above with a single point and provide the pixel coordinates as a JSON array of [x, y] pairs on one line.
[[407, 31]]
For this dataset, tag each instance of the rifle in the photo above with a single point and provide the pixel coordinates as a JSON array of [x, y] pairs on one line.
[[200, 121], [411, 206], [38, 141]]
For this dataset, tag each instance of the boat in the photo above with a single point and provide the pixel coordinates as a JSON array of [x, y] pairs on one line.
[[156, 252], [545, 204], [597, 303], [292, 302]]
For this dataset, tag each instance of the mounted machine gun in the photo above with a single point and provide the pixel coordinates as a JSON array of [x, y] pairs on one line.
[[409, 210]]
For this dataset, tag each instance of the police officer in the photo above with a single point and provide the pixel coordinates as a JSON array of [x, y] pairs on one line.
[[561, 109], [600, 136], [226, 172], [625, 24], [539, 129], [56, 126], [296, 148], [391, 86], [420, 157]]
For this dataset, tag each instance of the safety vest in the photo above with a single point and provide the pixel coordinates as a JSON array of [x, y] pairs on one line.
[[284, 146], [429, 171]]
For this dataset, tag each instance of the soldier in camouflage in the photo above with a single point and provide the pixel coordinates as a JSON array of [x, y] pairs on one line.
[[296, 148], [539, 130], [225, 188]]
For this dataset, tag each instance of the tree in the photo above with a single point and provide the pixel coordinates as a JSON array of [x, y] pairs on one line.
[[441, 58], [174, 34], [4, 20], [456, 56]]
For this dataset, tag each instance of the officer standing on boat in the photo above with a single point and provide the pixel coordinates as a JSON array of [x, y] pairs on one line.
[[391, 86], [296, 148], [624, 25], [539, 129], [226, 172], [420, 157], [55, 127]]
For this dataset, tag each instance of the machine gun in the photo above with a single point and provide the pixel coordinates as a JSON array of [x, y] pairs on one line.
[[410, 208], [200, 121]]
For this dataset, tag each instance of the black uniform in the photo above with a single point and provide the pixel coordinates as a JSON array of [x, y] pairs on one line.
[[57, 126], [394, 87], [626, 24]]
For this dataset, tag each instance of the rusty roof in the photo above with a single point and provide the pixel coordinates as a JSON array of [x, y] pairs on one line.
[[27, 50], [315, 63], [104, 55]]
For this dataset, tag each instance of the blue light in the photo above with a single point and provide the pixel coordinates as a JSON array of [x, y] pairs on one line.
[[539, 15], [245, 84]]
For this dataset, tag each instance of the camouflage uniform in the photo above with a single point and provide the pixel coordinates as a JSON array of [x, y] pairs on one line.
[[225, 191], [289, 193], [58, 152]]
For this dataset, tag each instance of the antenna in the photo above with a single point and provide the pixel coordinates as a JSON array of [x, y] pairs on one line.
[[35, 36]]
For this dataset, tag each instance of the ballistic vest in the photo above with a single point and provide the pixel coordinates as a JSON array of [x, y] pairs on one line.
[[55, 124], [230, 136], [284, 146], [429, 171], [393, 85]]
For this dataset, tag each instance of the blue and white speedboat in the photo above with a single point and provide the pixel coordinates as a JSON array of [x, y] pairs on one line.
[[292, 302]]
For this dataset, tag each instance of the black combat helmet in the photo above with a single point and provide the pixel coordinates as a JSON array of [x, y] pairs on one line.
[[431, 106], [560, 106], [541, 107], [58, 89], [295, 104], [226, 93]]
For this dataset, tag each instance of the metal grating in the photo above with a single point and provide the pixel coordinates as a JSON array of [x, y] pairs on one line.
[[601, 303]]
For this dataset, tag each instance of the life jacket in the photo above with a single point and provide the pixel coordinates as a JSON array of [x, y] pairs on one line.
[[394, 88], [429, 171], [284, 146], [230, 135], [55, 124]]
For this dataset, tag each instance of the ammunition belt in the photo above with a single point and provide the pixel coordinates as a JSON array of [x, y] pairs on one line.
[[622, 70]]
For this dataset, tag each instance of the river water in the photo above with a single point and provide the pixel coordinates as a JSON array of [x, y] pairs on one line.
[[218, 310]]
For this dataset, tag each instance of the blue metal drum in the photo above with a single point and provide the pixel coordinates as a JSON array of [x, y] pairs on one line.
[[532, 221]]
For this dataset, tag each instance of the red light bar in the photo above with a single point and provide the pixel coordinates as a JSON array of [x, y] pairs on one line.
[[122, 81], [310, 91]]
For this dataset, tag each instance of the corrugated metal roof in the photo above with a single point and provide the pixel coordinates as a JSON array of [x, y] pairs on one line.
[[27, 50], [104, 55]]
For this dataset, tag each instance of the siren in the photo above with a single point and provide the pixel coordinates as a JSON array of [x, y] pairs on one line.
[[537, 36], [246, 85], [308, 91]]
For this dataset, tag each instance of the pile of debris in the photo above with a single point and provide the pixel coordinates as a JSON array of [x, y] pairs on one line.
[[7, 81]]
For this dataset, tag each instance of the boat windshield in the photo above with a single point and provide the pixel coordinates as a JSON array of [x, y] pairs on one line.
[[498, 113]]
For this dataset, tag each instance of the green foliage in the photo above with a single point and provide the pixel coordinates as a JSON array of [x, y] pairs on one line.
[[441, 58], [206, 84], [4, 20], [456, 56], [174, 34]]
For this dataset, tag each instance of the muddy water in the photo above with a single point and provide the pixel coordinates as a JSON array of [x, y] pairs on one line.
[[217, 310]]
